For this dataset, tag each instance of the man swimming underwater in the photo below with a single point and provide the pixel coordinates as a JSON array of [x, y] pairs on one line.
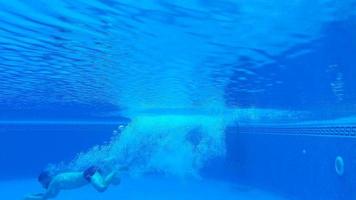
[[72, 180]]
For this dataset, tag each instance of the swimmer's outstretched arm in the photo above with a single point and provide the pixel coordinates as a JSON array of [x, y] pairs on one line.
[[51, 192], [34, 197]]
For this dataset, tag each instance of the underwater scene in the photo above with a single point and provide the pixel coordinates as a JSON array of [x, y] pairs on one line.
[[178, 100]]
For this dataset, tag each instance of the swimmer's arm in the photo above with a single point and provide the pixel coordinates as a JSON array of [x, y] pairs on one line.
[[34, 197], [51, 192]]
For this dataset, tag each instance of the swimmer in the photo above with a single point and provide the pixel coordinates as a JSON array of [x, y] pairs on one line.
[[73, 180]]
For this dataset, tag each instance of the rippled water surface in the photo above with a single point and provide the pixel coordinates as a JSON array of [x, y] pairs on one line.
[[155, 55]]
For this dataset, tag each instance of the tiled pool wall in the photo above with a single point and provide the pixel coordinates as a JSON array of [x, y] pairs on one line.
[[296, 161]]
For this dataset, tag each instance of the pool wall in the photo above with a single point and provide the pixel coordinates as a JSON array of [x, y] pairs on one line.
[[299, 164], [25, 149]]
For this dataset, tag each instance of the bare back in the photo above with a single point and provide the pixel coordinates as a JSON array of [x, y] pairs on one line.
[[68, 180]]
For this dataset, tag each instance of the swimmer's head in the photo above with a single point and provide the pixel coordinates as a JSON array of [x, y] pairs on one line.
[[45, 178]]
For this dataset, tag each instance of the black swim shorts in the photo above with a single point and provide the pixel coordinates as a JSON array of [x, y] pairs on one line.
[[89, 172]]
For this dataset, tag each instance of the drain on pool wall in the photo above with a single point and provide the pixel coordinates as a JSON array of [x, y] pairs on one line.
[[339, 166]]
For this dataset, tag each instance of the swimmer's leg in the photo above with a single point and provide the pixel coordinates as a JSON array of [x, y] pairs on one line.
[[100, 183]]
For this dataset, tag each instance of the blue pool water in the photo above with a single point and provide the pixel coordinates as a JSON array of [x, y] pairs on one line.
[[199, 99]]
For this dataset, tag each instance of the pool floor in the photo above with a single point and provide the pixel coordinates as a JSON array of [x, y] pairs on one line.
[[146, 188]]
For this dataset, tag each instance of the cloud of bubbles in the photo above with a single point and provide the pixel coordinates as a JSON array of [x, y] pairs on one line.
[[176, 145]]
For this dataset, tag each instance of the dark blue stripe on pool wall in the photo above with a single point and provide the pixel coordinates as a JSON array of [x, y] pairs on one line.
[[338, 131]]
